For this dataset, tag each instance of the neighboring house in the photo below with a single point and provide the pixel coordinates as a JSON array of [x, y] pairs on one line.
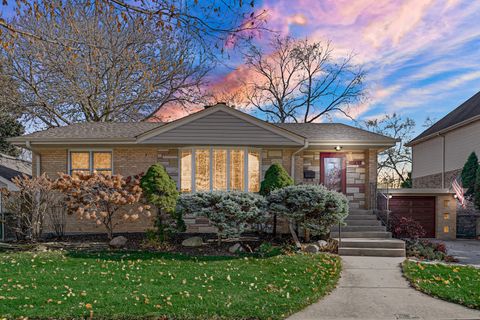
[[218, 148], [10, 168], [440, 152]]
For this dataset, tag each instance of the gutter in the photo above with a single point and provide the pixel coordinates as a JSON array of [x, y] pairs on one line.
[[292, 169]]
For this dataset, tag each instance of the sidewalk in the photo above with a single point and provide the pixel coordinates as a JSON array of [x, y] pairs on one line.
[[374, 288]]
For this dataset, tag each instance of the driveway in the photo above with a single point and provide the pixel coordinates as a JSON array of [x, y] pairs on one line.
[[466, 251], [374, 288]]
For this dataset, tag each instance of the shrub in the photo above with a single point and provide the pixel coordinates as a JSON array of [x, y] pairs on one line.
[[312, 207], [107, 200], [276, 177], [161, 191], [476, 199], [469, 174], [230, 212], [405, 228], [31, 204], [424, 249]]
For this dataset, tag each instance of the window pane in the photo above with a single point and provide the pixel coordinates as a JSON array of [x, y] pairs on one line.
[[237, 165], [80, 161], [253, 171], [219, 169], [202, 169], [186, 171], [102, 160]]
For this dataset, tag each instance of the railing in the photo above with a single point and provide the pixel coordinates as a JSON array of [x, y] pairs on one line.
[[382, 210]]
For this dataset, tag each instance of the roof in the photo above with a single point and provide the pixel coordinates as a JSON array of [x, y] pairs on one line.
[[9, 173], [133, 132], [465, 113], [333, 131], [95, 130], [15, 163]]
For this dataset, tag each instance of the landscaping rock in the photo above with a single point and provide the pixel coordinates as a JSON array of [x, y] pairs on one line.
[[311, 248], [118, 242], [237, 247], [322, 243], [193, 242], [40, 248]]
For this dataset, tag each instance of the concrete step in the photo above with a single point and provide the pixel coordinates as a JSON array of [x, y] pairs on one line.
[[359, 211], [363, 222], [364, 234], [372, 243], [350, 228], [374, 252], [361, 217]]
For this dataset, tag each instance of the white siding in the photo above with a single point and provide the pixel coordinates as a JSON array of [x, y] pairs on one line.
[[221, 128], [427, 158], [460, 143]]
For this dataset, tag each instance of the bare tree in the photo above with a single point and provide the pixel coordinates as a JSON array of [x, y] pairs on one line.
[[210, 24], [302, 81], [115, 72], [394, 163]]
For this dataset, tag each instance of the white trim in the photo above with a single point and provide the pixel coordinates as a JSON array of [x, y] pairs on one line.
[[220, 107]]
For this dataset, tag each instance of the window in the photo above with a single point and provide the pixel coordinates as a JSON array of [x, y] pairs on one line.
[[91, 161], [219, 169]]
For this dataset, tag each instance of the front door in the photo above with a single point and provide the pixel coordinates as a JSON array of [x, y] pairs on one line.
[[333, 173]]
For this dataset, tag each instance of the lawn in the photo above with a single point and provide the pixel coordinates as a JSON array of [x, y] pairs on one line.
[[136, 285], [459, 284]]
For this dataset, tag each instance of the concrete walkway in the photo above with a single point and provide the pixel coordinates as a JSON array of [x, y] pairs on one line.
[[374, 288], [466, 251]]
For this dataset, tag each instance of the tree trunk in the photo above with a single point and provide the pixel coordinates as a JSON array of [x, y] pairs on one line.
[[274, 225], [294, 235]]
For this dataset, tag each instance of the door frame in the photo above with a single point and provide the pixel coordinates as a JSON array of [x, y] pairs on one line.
[[340, 155]]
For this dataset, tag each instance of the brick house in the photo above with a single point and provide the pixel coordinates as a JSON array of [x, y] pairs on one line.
[[218, 148]]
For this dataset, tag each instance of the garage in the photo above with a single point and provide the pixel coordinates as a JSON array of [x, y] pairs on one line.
[[420, 208], [434, 209]]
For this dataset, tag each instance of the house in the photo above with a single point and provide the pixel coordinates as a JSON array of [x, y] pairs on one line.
[[218, 148], [440, 152], [10, 167]]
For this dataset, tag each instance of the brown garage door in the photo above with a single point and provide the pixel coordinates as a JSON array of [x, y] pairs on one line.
[[421, 209]]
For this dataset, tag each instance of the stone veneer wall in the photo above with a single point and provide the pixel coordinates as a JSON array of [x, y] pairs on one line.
[[356, 174], [446, 217], [435, 180]]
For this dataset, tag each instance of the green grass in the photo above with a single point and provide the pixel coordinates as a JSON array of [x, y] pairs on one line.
[[141, 285], [459, 284]]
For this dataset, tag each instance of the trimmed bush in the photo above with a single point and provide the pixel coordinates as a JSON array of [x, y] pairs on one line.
[[276, 177], [405, 228], [161, 191], [469, 174], [230, 212], [312, 207]]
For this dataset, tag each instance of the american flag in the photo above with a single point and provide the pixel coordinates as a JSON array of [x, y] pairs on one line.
[[457, 187]]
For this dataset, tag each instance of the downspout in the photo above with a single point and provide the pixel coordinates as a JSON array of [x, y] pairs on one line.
[[292, 169]]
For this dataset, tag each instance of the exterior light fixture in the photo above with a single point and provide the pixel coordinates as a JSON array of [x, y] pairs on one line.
[[390, 196], [455, 196], [338, 148]]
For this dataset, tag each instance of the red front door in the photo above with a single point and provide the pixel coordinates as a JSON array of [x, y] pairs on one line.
[[333, 171]]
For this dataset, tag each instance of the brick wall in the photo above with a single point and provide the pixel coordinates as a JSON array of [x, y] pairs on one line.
[[435, 180]]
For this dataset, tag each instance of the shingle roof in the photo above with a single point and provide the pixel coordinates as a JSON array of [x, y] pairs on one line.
[[8, 173], [96, 130], [332, 131], [464, 112]]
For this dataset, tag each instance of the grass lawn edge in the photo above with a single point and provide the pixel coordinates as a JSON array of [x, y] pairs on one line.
[[432, 293]]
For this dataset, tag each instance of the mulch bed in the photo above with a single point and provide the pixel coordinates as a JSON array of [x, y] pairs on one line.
[[138, 241]]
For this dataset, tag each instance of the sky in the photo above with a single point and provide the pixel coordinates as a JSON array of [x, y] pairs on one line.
[[422, 57]]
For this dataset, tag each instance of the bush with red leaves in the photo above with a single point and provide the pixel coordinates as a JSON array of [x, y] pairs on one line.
[[405, 228]]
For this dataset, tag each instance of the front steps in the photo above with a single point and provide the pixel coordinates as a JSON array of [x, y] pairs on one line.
[[364, 235]]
